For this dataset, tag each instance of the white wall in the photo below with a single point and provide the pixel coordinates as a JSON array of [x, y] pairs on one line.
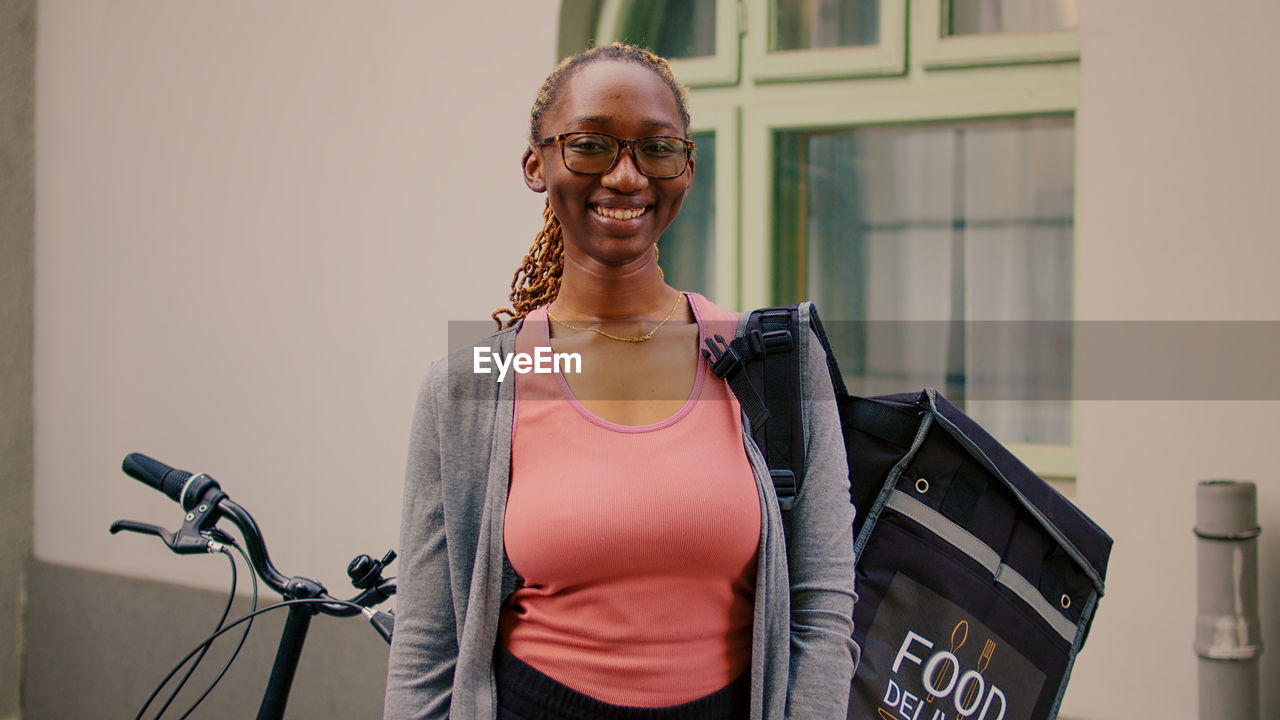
[[253, 221], [1177, 194]]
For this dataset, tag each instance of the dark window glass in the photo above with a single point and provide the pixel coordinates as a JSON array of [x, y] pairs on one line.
[[671, 28], [974, 17], [688, 247], [811, 24]]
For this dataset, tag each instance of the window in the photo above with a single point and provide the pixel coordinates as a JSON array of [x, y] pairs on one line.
[[975, 17], [940, 255], [688, 252], [700, 37], [790, 40], [810, 24], [906, 164], [971, 33], [676, 30]]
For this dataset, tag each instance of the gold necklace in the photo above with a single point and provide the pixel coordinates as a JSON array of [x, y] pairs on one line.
[[638, 339]]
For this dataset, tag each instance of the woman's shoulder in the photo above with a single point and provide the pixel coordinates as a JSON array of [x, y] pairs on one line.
[[709, 311]]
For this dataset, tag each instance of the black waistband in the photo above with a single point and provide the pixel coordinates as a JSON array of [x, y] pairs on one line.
[[528, 694]]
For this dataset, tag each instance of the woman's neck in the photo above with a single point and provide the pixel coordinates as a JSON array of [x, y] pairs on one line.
[[612, 293]]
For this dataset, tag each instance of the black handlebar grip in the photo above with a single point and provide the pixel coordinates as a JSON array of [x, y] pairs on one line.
[[156, 474]]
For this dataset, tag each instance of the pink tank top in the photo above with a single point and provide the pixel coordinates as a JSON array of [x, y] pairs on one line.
[[636, 544]]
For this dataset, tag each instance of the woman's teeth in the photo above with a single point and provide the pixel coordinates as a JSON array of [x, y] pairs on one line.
[[621, 213]]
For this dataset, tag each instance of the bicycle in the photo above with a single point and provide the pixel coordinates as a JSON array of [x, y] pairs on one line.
[[205, 503]]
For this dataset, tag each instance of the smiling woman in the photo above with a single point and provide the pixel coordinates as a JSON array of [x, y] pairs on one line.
[[606, 543], [613, 201]]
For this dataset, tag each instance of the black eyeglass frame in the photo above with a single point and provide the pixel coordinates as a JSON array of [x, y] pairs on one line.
[[623, 144]]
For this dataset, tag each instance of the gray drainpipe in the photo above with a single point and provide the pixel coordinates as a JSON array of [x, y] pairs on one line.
[[1228, 631]]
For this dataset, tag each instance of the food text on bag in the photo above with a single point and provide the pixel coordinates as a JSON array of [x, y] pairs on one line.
[[941, 677]]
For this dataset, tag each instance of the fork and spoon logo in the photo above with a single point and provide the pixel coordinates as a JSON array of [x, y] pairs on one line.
[[959, 635], [941, 676]]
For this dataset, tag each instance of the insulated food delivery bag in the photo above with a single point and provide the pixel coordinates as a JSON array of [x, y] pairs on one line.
[[976, 580]]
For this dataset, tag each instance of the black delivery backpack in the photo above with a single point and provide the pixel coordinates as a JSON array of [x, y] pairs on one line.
[[976, 580]]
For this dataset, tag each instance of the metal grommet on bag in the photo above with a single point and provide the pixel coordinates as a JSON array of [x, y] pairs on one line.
[[922, 486], [1066, 602]]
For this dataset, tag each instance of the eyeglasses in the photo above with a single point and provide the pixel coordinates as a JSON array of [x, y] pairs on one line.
[[592, 153]]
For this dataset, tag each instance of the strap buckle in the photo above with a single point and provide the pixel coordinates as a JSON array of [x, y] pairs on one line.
[[777, 341], [724, 358], [784, 484], [727, 358]]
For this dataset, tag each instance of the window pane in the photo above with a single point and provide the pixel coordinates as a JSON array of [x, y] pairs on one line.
[[809, 24], [940, 255], [671, 28], [971, 17], [687, 248]]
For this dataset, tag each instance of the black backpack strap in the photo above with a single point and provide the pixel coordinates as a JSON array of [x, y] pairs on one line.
[[783, 439], [768, 391]]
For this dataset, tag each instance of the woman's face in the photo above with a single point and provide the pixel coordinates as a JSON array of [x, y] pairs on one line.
[[616, 217]]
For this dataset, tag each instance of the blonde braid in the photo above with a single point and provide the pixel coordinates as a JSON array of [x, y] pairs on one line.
[[537, 280]]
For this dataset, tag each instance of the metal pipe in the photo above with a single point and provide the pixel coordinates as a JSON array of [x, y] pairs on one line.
[[1228, 631]]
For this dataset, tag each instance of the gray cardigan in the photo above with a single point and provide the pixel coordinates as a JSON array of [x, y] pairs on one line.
[[454, 574]]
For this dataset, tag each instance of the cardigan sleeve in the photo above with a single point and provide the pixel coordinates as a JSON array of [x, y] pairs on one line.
[[424, 646], [820, 559]]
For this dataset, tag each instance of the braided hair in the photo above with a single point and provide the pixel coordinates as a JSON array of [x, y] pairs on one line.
[[537, 281]]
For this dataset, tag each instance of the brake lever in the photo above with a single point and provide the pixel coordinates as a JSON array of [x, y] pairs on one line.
[[187, 541], [197, 534], [142, 529]]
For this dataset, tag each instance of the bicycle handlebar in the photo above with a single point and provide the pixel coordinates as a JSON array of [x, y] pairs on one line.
[[205, 502], [179, 485], [156, 474]]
